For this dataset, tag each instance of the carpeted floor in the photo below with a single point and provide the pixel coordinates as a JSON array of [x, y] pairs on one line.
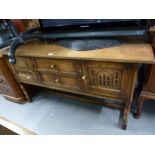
[[49, 114]]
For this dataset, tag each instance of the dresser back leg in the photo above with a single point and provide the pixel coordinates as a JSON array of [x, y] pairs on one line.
[[139, 107]]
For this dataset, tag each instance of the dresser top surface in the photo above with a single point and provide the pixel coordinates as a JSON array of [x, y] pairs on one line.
[[130, 53]]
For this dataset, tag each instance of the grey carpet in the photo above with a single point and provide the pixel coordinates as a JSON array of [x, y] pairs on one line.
[[49, 114]]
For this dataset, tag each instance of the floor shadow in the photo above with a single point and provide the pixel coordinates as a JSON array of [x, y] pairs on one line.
[[40, 95], [149, 107]]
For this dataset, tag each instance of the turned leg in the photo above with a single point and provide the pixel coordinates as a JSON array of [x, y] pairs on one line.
[[123, 118], [139, 107]]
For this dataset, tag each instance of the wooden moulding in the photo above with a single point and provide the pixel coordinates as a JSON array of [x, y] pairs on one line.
[[87, 99], [9, 127], [19, 100]]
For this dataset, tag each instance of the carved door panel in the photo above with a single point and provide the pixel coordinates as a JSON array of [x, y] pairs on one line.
[[24, 70], [106, 78]]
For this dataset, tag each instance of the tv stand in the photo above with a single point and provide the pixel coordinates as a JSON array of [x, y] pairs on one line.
[[108, 73]]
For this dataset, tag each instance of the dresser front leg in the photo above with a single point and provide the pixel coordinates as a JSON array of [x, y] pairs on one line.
[[123, 118], [139, 107]]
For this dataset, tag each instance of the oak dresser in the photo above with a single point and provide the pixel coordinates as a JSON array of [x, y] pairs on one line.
[[108, 73]]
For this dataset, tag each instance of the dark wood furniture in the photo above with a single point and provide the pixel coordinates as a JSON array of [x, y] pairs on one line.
[[148, 91], [9, 87], [108, 73]]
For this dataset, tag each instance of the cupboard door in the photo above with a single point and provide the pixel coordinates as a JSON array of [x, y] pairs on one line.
[[106, 78]]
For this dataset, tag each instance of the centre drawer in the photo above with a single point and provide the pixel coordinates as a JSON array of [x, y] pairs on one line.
[[53, 65], [66, 82]]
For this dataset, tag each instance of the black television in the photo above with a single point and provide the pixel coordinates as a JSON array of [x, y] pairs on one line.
[[83, 34], [90, 23]]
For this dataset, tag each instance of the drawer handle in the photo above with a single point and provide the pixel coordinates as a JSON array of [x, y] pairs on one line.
[[57, 80], [1, 80], [52, 66], [83, 77], [28, 77]]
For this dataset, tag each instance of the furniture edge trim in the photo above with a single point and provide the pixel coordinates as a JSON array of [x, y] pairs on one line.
[[15, 127]]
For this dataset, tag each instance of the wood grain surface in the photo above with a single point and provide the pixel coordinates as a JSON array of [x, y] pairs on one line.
[[132, 53]]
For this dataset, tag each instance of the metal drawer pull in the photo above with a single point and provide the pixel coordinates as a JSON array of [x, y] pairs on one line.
[[56, 80], [28, 77], [52, 66], [83, 77]]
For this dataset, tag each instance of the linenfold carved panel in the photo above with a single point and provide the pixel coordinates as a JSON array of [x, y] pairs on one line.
[[109, 78], [22, 67], [24, 70]]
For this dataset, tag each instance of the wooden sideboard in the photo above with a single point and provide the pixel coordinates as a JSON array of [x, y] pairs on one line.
[[9, 87], [108, 73]]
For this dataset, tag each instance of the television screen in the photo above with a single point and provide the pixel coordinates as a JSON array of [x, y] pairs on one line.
[[83, 22]]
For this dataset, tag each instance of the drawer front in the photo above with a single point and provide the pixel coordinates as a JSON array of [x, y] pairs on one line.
[[59, 73], [24, 70], [62, 66], [65, 82], [49, 72], [51, 80], [106, 78]]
